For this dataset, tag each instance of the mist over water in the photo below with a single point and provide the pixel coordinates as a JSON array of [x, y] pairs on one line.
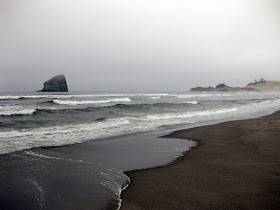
[[138, 45]]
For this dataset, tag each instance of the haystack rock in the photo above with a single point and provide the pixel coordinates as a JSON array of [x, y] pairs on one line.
[[56, 84]]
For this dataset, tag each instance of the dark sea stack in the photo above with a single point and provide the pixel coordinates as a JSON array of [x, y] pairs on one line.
[[56, 84]]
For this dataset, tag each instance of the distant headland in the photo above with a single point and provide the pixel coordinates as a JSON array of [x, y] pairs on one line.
[[55, 84], [261, 85]]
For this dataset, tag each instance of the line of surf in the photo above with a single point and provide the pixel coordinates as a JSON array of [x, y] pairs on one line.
[[63, 102], [56, 96]]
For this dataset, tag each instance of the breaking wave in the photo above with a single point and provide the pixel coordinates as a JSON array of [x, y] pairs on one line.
[[100, 128], [202, 95], [10, 97], [190, 114], [56, 96], [154, 105], [91, 102], [192, 102], [17, 112], [10, 110]]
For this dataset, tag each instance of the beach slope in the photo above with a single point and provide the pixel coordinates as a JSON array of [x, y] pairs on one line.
[[236, 165]]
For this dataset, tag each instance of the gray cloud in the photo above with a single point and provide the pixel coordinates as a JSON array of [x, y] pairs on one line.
[[139, 44]]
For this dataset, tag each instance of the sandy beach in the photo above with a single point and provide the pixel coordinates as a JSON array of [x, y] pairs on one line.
[[235, 166]]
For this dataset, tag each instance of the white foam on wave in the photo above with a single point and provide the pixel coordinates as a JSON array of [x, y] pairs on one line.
[[155, 97], [190, 114], [9, 110], [92, 102], [9, 97], [116, 181], [35, 154], [12, 140], [275, 99], [192, 102], [55, 96], [41, 193], [41, 155], [203, 95], [19, 112]]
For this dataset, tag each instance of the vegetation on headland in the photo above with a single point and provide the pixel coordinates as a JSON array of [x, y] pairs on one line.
[[261, 85]]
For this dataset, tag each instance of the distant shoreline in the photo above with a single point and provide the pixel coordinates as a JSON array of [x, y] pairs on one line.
[[235, 165], [257, 86]]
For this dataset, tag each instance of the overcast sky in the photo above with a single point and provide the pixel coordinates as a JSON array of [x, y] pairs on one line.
[[143, 45]]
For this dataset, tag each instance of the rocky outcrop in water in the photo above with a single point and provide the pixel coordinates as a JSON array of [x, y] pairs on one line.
[[56, 84], [202, 89]]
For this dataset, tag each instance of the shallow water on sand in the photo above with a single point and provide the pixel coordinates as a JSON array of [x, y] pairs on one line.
[[88, 175]]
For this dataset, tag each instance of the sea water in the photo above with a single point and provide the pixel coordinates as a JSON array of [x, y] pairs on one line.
[[40, 120]]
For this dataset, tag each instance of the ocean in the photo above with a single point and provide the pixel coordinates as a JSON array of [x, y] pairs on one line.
[[114, 127]]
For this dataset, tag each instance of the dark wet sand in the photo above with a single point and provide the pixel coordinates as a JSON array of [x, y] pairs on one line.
[[235, 166]]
